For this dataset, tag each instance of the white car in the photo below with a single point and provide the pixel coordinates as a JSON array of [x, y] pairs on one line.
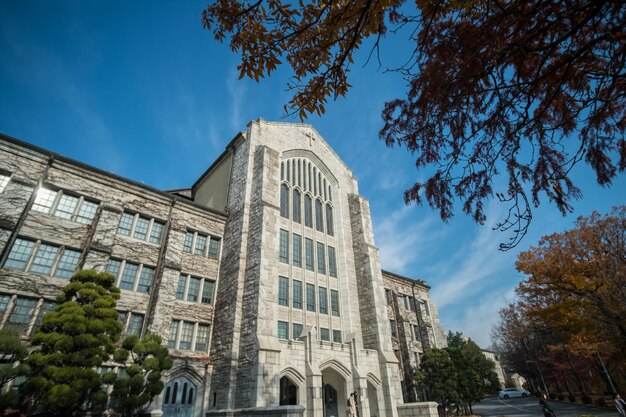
[[512, 393]]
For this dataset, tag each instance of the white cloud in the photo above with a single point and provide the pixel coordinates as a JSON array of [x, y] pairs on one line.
[[236, 92]]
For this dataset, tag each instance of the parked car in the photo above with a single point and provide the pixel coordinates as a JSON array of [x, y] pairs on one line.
[[512, 393]]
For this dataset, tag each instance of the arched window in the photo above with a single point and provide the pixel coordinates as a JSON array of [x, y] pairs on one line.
[[175, 393], [288, 392], [284, 201], [330, 193], [329, 220], [282, 171], [325, 197], [315, 182], [184, 396], [167, 395], [296, 206], [293, 171], [319, 216], [310, 182], [308, 211], [288, 170], [190, 396], [299, 174]]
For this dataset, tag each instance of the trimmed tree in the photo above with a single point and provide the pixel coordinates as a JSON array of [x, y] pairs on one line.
[[439, 376], [73, 340], [146, 359], [12, 352]]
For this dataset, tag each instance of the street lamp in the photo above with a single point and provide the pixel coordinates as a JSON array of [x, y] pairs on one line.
[[606, 372], [545, 388]]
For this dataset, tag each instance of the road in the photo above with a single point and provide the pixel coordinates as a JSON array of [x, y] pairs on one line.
[[529, 407]]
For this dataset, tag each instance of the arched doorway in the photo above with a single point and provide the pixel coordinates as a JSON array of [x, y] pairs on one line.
[[334, 392], [288, 392], [179, 398], [372, 397]]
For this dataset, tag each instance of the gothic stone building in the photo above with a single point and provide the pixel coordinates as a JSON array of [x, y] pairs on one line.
[[262, 278]]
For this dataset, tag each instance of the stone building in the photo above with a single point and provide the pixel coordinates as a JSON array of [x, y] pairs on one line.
[[262, 277], [415, 326]]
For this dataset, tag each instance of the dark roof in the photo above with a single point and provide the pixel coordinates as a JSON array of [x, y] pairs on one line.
[[411, 280]]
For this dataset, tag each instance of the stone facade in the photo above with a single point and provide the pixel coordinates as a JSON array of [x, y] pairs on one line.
[[263, 277]]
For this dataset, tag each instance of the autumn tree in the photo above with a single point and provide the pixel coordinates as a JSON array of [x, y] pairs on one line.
[[522, 89], [73, 340]]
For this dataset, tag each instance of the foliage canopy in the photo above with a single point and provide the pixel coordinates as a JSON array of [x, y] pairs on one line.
[[524, 89]]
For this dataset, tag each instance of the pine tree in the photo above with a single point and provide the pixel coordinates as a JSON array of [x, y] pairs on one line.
[[73, 340]]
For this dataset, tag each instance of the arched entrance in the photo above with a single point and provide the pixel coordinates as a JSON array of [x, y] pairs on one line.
[[372, 397], [288, 392], [179, 398], [335, 393]]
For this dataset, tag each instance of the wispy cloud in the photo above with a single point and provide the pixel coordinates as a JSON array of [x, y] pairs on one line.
[[236, 94], [477, 318]]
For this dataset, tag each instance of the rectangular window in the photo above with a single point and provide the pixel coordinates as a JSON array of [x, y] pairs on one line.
[[332, 262], [194, 289], [46, 254], [188, 245], [127, 282], [321, 258], [126, 224], [296, 330], [186, 334], [283, 291], [388, 295], [416, 332], [296, 206], [324, 334], [113, 267], [283, 255], [171, 343], [297, 250], [283, 330], [68, 264], [214, 247], [145, 279], [156, 233], [407, 302], [180, 291], [86, 212], [392, 324], [135, 324], [207, 291], [44, 200], [426, 309], [65, 208], [202, 338], [4, 302], [329, 221], [200, 245], [20, 254], [297, 294], [4, 180], [310, 297], [141, 228], [21, 314], [337, 336], [323, 300], [309, 253], [334, 302], [46, 307]]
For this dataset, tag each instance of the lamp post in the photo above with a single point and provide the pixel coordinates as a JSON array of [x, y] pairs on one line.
[[606, 372], [545, 388]]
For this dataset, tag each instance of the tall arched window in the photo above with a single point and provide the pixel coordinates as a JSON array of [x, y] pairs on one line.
[[288, 170], [284, 201], [329, 220], [308, 211], [288, 392], [319, 216], [296, 206]]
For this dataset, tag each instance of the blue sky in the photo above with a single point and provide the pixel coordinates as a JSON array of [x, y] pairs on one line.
[[141, 90]]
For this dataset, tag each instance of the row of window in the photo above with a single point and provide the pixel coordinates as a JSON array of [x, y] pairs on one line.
[[185, 335], [296, 260], [296, 212], [140, 227], [131, 276], [414, 330], [407, 301], [66, 206], [21, 311], [42, 258], [202, 245], [305, 175], [195, 289], [296, 299], [296, 332]]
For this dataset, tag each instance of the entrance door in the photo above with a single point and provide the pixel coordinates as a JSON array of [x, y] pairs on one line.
[[330, 401], [179, 398]]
